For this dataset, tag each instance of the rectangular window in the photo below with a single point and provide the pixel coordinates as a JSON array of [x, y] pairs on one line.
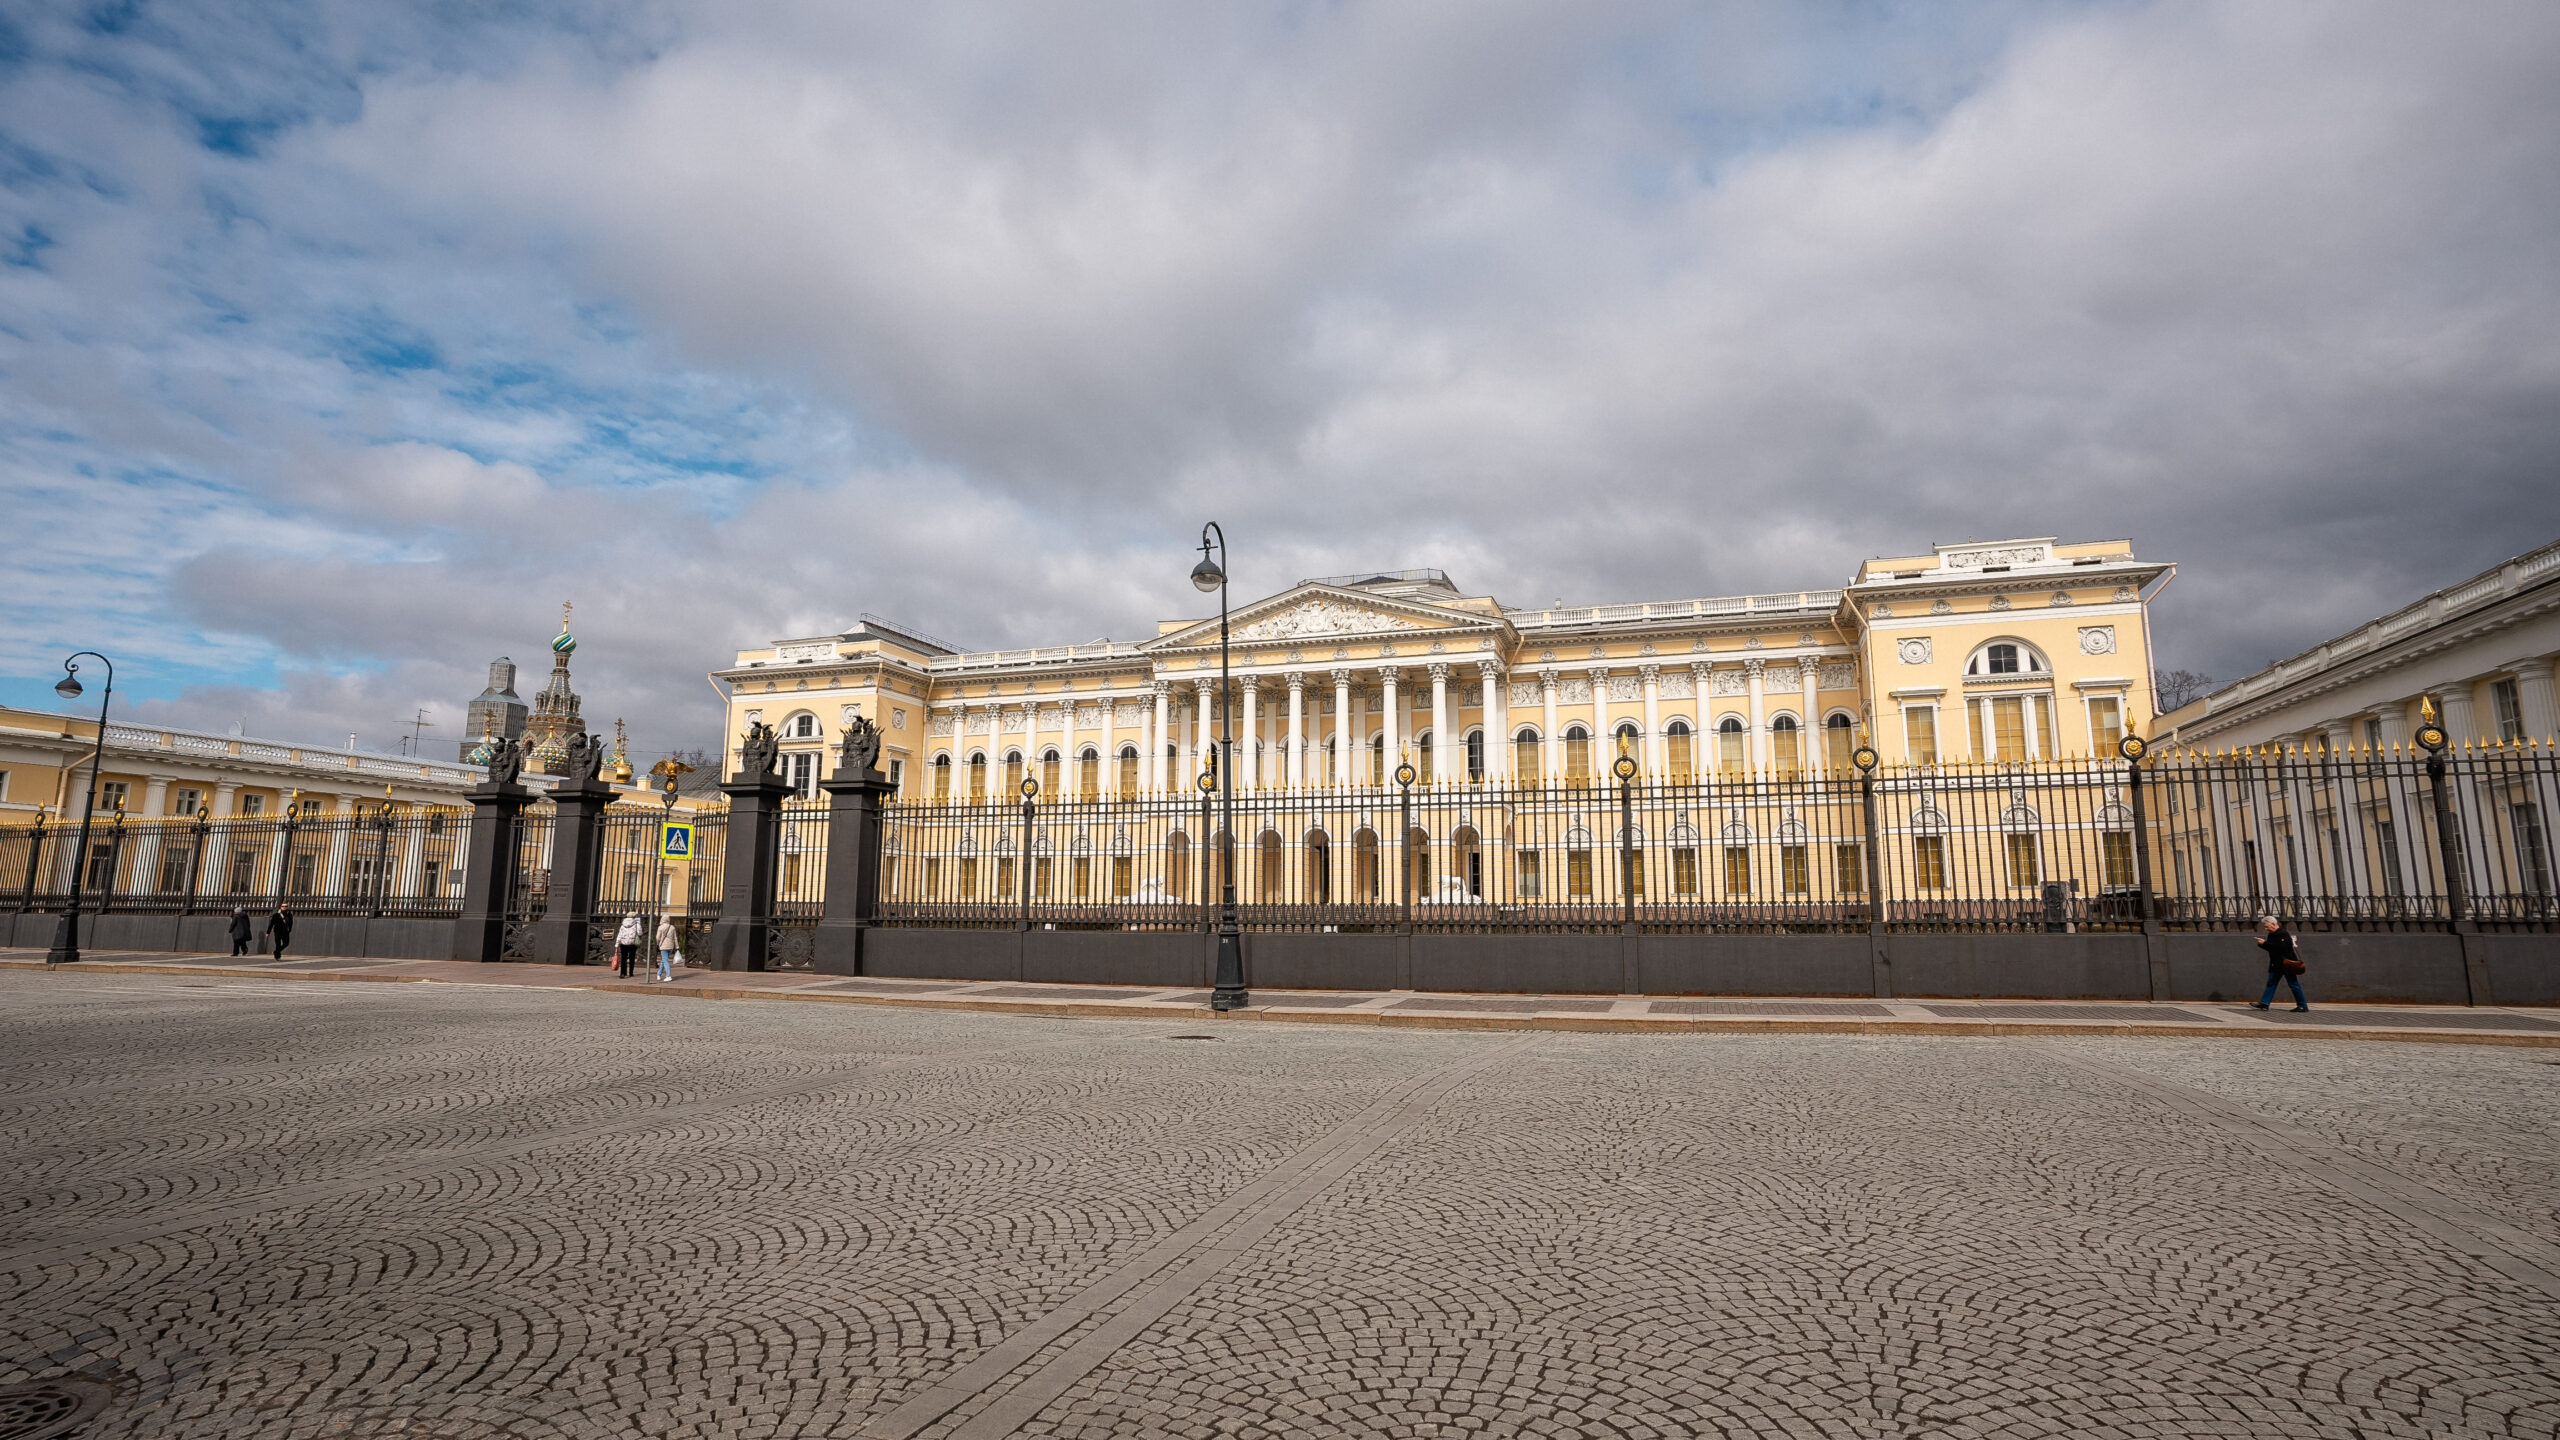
[[1973, 727], [244, 868], [932, 880], [1737, 870], [2533, 848], [1920, 733], [2106, 724], [1681, 749], [1526, 862], [253, 804], [1929, 862], [1524, 761], [1795, 872], [173, 870], [188, 802], [2022, 860], [897, 774], [1577, 760], [1004, 877], [1849, 869], [2373, 733], [1081, 877], [802, 771], [630, 882], [4, 784], [1040, 877], [1129, 772], [941, 780], [112, 793], [306, 870], [431, 881], [2249, 868], [2008, 728], [2509, 708], [1632, 862], [2115, 855], [1684, 870], [968, 877], [1049, 776], [1122, 883], [2039, 727], [1733, 751], [1577, 874]]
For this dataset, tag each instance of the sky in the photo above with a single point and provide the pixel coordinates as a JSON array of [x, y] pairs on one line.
[[341, 342]]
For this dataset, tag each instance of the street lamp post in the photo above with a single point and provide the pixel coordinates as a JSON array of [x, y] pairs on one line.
[[1022, 875], [66, 935], [1229, 994], [658, 879], [1625, 769], [1405, 777]]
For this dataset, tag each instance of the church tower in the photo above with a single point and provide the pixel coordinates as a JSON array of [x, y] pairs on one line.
[[497, 714], [555, 711]]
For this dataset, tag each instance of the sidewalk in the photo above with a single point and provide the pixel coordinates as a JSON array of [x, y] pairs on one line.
[[2487, 1025]]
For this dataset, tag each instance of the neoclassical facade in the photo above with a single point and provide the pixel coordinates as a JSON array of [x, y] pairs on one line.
[[2025, 649], [2484, 650]]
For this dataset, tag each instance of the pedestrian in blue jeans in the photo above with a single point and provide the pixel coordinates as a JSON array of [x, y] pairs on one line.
[[2284, 963]]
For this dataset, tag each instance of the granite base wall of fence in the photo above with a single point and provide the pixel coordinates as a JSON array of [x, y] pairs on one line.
[[1754, 965], [368, 937]]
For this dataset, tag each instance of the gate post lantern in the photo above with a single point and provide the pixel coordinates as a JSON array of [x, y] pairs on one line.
[[1624, 767]]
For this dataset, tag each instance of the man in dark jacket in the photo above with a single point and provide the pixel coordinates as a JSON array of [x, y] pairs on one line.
[[280, 927], [240, 930], [2284, 963]]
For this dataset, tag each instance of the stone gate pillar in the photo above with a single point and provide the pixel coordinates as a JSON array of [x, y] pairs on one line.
[[565, 935], [489, 870], [742, 938], [855, 793]]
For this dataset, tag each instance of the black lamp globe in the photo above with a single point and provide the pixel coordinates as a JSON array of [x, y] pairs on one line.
[[1206, 576], [68, 687]]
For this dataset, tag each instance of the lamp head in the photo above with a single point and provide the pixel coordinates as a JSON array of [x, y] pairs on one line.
[[1205, 576], [68, 687]]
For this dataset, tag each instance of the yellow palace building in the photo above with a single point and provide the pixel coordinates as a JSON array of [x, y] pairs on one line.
[[1985, 651]]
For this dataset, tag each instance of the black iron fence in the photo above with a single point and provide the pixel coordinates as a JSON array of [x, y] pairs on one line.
[[2203, 842], [2354, 840], [407, 862]]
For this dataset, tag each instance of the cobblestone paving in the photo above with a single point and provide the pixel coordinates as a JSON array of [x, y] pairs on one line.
[[449, 1213]]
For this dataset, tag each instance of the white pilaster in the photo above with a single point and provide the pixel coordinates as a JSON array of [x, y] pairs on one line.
[[1297, 729], [1205, 740], [1497, 723], [1759, 720], [1604, 750], [1153, 769], [223, 792], [1448, 753], [155, 799], [1249, 763], [1395, 720], [1070, 770], [2537, 698], [1812, 738], [2461, 719], [1654, 763], [1343, 744], [1550, 745]]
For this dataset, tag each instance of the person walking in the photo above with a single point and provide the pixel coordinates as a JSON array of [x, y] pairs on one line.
[[280, 927], [2284, 964], [626, 946], [666, 948], [240, 931]]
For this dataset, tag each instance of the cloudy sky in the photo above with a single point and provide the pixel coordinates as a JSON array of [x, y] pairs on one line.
[[343, 341]]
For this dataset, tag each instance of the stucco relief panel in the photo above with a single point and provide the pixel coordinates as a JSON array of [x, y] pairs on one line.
[[1323, 617]]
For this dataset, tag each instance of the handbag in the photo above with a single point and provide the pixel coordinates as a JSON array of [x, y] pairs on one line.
[[2291, 965]]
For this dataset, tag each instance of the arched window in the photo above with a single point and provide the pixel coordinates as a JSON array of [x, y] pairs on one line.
[[1319, 867], [1089, 774], [978, 778], [1378, 758], [803, 726], [1525, 768], [1269, 876], [1364, 866], [1466, 860], [2006, 657], [1012, 774], [1682, 754], [1839, 737], [1630, 741], [1786, 754], [942, 777], [1577, 757], [1733, 746], [1049, 774], [1475, 755], [1128, 769], [1177, 867], [1417, 860], [1422, 758]]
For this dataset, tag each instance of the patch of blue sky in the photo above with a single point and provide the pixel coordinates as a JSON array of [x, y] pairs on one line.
[[378, 342], [25, 249], [137, 678]]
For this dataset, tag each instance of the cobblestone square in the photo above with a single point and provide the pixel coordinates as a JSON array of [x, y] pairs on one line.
[[449, 1212]]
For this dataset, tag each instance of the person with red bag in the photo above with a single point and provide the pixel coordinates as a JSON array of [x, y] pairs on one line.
[[2284, 963]]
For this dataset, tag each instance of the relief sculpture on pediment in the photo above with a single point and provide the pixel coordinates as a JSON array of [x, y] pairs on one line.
[[1323, 617]]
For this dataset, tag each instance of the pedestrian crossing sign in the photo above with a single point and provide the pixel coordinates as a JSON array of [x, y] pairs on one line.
[[675, 840]]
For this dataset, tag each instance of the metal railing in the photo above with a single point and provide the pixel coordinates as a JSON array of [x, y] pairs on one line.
[[406, 862]]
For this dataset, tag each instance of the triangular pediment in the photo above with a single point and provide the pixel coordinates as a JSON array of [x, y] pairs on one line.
[[1325, 613]]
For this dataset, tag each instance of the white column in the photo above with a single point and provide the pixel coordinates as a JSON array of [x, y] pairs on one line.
[[1448, 753], [1249, 762], [1342, 741], [2461, 723], [2404, 816], [1356, 760], [1497, 723], [2537, 698], [1759, 722], [1550, 748], [1069, 772], [155, 798], [1654, 764], [1395, 720], [1603, 749], [1297, 729], [1809, 740], [1204, 740], [1704, 747], [1156, 736], [223, 791]]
